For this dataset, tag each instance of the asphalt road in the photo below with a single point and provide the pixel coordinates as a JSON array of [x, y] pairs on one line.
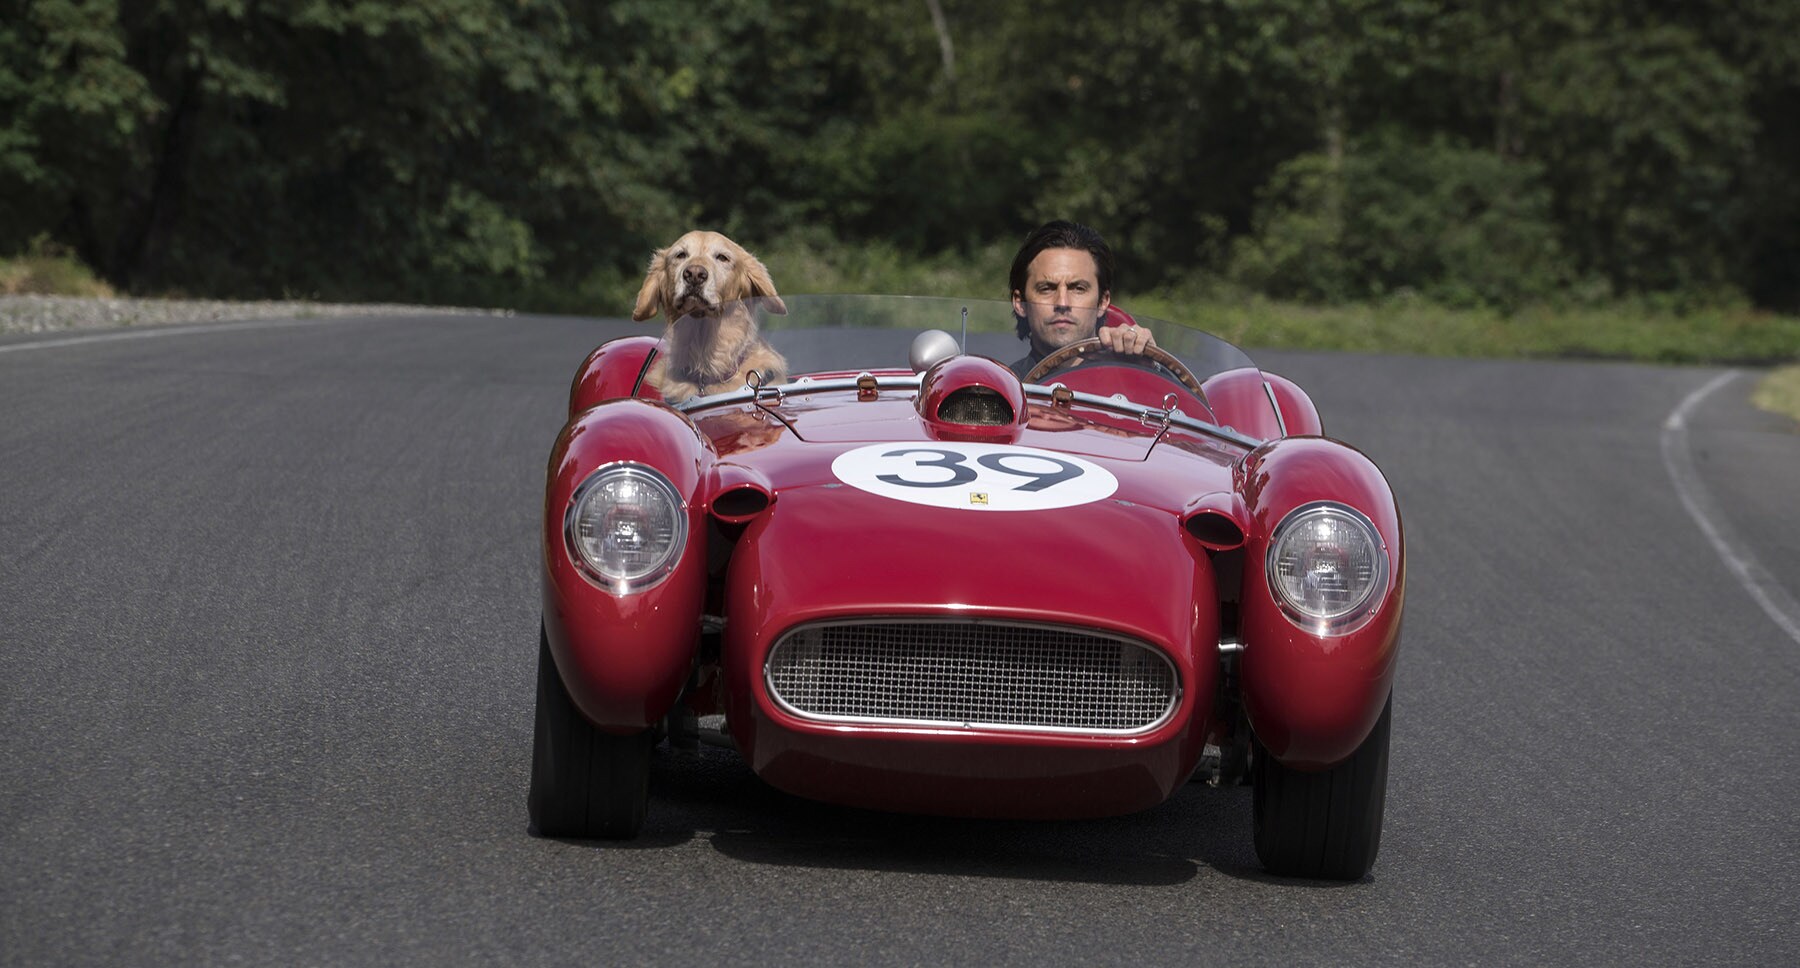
[[268, 616]]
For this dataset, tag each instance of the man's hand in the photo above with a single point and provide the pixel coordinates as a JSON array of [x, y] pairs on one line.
[[1129, 340]]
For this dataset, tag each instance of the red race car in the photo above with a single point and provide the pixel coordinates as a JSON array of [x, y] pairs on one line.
[[944, 589]]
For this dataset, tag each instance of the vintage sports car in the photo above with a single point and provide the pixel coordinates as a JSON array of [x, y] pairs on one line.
[[939, 588]]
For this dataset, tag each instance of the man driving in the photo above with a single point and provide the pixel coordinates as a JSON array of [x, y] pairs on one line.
[[1061, 287]]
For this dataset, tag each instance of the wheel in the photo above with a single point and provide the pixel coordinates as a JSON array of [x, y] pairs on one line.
[[1325, 824], [1081, 351], [585, 782]]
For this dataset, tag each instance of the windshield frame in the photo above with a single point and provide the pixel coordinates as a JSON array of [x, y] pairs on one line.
[[782, 319], [1051, 394]]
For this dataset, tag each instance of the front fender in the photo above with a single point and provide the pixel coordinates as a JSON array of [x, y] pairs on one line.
[[1312, 699], [625, 658]]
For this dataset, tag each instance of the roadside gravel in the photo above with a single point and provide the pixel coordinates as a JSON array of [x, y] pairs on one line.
[[47, 314]]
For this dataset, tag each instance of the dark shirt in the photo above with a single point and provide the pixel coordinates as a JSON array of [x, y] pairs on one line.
[[1024, 366]]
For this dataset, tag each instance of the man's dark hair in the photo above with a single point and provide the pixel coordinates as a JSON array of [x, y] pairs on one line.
[[1060, 234]]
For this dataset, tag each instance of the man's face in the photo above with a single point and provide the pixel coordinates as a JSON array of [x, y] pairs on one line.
[[1062, 301]]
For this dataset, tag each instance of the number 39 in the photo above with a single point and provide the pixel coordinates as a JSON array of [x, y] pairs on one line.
[[961, 473]]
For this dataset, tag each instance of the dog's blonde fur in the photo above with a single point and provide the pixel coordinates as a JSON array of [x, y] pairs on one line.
[[700, 285]]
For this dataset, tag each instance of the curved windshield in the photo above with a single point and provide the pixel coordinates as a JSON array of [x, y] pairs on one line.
[[836, 334]]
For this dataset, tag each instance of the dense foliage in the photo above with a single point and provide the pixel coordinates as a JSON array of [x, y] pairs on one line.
[[531, 152]]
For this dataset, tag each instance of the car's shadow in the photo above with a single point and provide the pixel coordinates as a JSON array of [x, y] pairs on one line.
[[714, 795]]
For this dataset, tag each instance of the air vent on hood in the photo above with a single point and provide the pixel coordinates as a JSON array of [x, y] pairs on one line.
[[971, 396], [976, 406]]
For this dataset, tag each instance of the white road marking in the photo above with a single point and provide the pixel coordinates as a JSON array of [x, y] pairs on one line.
[[109, 336], [1762, 586]]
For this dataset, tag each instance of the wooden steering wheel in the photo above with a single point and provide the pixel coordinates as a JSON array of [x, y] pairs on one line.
[[1082, 351]]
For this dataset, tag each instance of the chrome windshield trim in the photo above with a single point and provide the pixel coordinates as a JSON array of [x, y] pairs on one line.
[[805, 385], [800, 386], [1280, 421]]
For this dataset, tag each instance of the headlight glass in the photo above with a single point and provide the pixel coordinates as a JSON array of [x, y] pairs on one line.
[[1326, 567], [626, 524]]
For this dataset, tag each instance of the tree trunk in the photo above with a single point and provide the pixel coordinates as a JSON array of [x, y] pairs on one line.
[[1506, 111], [1332, 133], [149, 219], [945, 48]]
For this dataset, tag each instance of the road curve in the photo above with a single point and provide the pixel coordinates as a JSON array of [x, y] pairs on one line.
[[268, 614]]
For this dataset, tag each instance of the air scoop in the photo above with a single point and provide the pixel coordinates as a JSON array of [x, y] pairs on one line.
[[971, 397]]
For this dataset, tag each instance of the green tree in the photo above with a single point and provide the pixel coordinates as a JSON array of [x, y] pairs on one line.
[[71, 109], [533, 151], [1645, 137], [1461, 225]]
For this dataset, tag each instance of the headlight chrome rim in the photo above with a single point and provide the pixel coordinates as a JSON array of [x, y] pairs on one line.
[[1357, 613], [628, 581]]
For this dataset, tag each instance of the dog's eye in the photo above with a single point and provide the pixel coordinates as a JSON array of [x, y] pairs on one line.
[[682, 254], [723, 257]]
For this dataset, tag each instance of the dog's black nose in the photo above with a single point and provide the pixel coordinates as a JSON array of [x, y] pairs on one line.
[[694, 275]]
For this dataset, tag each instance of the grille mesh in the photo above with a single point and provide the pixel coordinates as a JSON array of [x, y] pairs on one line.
[[986, 674]]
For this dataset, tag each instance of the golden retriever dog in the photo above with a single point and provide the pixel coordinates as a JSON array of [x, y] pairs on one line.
[[711, 344]]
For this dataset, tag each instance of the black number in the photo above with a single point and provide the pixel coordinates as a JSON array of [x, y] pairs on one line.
[[961, 473], [947, 459], [1065, 470]]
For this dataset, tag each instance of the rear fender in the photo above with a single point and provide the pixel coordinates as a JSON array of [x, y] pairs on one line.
[[1299, 418], [625, 657], [1261, 404], [1312, 698], [615, 369]]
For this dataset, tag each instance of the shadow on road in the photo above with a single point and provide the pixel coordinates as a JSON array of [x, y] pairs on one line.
[[714, 795]]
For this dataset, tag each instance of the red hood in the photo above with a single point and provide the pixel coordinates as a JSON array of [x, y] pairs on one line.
[[831, 550], [795, 442], [826, 547]]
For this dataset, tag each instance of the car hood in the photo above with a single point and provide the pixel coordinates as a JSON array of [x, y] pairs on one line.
[[799, 442], [868, 517], [831, 550]]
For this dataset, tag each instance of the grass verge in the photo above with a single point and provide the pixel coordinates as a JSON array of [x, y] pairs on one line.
[[1779, 392], [1623, 331], [48, 271], [1641, 331]]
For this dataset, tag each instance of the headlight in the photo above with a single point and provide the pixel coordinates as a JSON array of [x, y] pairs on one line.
[[1327, 568], [626, 525]]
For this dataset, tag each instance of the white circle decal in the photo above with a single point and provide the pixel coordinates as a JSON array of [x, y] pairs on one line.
[[974, 477]]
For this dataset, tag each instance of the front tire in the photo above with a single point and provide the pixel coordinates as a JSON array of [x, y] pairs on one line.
[[585, 782], [1324, 824]]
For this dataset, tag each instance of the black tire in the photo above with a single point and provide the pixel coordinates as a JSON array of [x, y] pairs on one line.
[[1326, 824], [585, 782]]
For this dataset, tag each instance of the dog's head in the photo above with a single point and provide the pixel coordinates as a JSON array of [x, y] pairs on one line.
[[698, 273]]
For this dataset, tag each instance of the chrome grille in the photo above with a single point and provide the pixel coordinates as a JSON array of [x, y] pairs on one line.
[[961, 673]]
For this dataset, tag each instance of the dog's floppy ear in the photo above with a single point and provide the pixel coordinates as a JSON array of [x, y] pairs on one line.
[[762, 287], [654, 295]]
